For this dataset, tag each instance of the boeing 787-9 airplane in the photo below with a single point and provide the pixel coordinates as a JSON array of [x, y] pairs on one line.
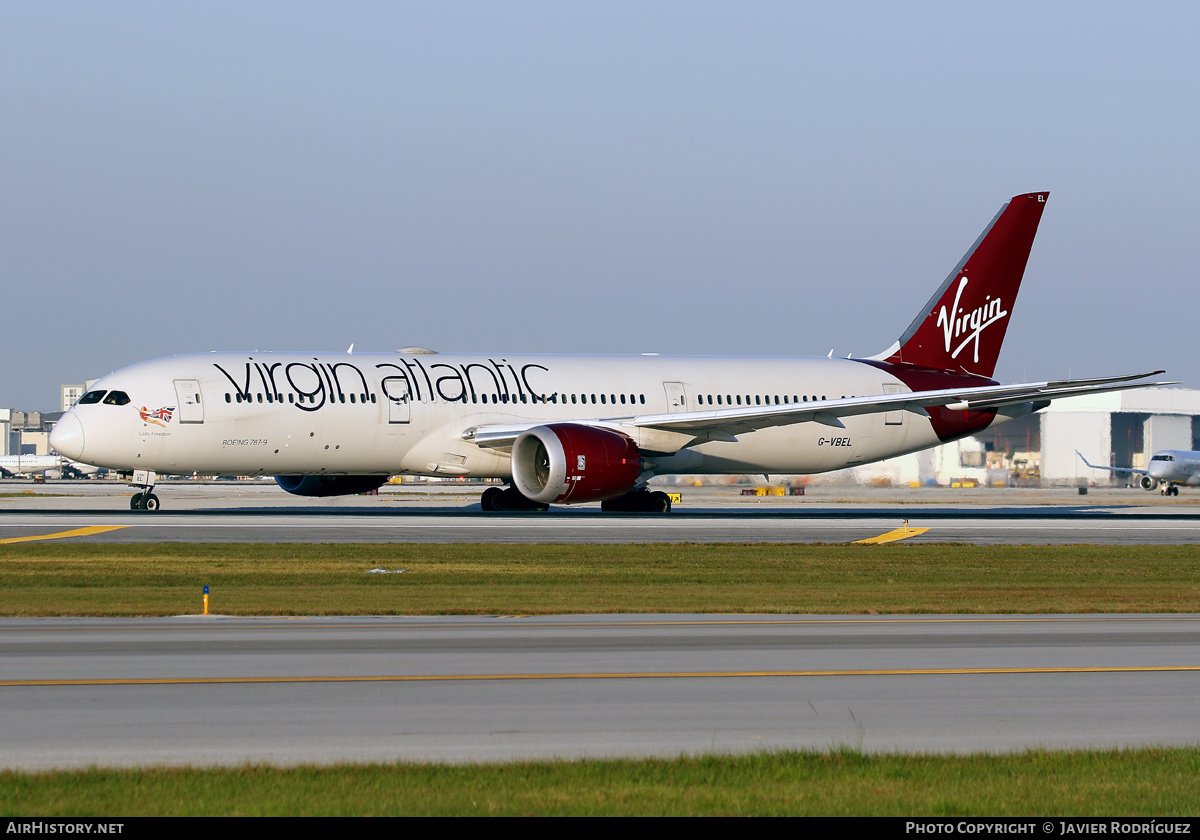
[[574, 429]]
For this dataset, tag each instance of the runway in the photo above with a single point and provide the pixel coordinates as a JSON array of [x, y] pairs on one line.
[[221, 691], [237, 514]]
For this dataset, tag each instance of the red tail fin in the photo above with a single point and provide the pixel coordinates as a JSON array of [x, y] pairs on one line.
[[963, 325]]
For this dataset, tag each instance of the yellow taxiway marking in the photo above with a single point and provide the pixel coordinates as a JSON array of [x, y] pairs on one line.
[[631, 675], [78, 532], [892, 536]]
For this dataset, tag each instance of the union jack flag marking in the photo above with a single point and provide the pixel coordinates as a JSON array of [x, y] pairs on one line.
[[159, 417]]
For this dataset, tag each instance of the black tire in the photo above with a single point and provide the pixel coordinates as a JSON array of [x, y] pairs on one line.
[[150, 502], [660, 502], [513, 499], [491, 499], [135, 501]]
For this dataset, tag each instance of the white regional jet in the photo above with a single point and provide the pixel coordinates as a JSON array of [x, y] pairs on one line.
[[572, 429], [1166, 471]]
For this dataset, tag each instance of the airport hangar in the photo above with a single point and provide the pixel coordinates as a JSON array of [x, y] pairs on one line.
[[1118, 429]]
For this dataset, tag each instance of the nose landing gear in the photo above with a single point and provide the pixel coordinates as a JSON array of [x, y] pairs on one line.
[[144, 499]]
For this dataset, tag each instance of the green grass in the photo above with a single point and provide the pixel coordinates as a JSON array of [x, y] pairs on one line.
[[167, 579], [1152, 782], [164, 579]]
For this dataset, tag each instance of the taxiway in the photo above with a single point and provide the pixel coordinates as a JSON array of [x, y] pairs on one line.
[[254, 513], [222, 691]]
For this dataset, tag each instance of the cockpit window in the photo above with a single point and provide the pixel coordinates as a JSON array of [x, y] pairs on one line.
[[1163, 458], [116, 398], [91, 397]]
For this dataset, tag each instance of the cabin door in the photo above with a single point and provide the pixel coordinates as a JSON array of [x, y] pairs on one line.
[[676, 397], [191, 407]]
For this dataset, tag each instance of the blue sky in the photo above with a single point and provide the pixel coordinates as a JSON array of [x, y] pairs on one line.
[[749, 178]]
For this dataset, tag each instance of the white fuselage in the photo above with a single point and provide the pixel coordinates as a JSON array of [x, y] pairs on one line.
[[30, 464], [335, 414], [1175, 466]]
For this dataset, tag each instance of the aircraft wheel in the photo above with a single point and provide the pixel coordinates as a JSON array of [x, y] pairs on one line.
[[150, 502], [513, 500], [660, 502], [490, 499], [495, 499], [1174, 491], [135, 501]]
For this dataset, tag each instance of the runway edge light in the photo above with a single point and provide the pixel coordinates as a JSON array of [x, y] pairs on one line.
[[206, 599]]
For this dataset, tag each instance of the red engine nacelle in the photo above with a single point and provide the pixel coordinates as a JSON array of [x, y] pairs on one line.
[[569, 463]]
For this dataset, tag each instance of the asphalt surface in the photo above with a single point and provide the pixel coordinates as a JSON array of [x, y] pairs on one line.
[[224, 691], [217, 690], [245, 512]]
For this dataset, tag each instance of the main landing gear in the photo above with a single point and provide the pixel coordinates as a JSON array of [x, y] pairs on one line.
[[144, 499], [1168, 489], [496, 499], [643, 501]]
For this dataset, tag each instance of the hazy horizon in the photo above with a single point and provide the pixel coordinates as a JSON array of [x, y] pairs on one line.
[[765, 178]]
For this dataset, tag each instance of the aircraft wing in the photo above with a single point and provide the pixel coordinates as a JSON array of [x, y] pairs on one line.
[[828, 412], [725, 423], [1123, 470]]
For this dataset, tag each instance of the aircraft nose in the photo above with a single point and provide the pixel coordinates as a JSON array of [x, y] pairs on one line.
[[67, 437]]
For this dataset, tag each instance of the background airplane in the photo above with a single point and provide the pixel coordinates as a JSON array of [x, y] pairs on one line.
[[15, 465], [1167, 471], [575, 429]]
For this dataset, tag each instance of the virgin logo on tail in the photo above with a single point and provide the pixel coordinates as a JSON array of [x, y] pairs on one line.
[[972, 324]]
